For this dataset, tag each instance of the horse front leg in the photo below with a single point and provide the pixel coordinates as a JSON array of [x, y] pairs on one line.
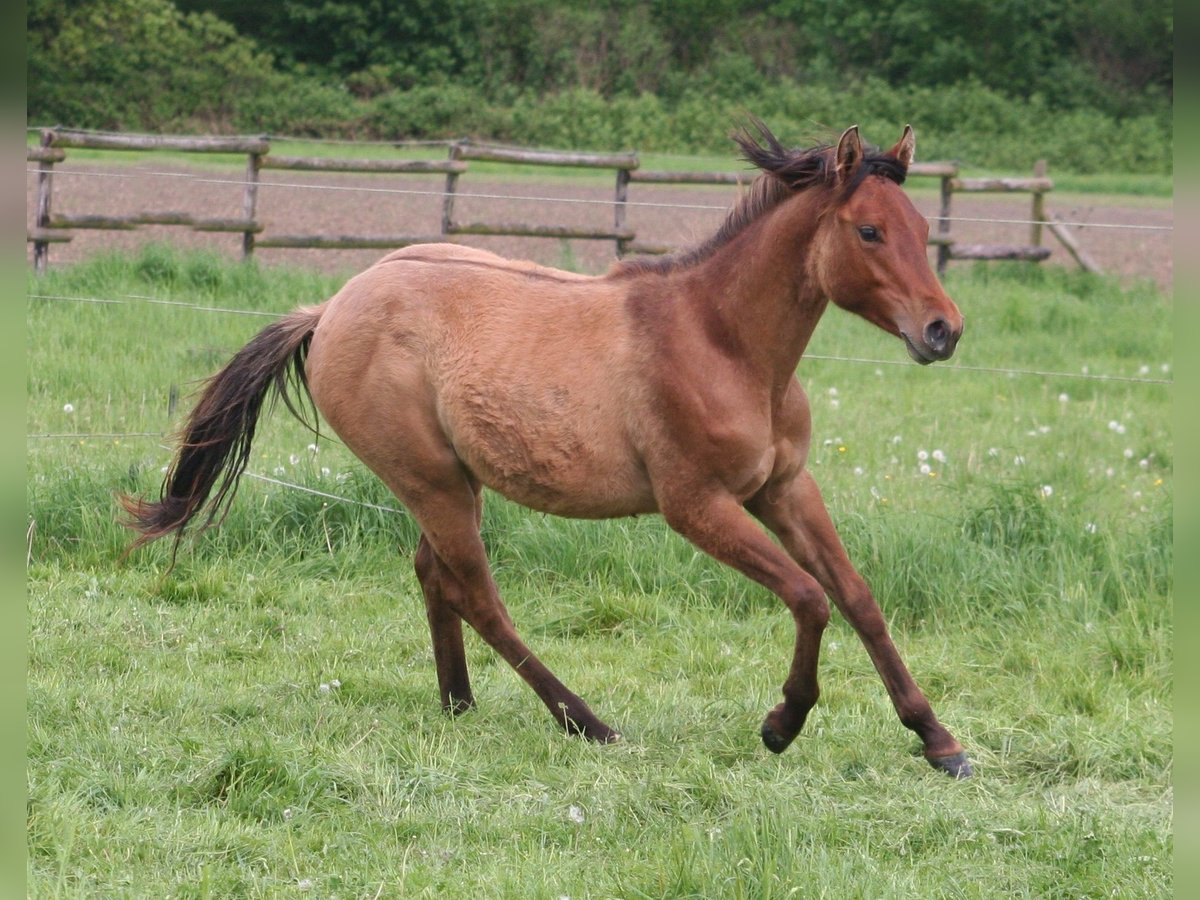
[[722, 528], [797, 514]]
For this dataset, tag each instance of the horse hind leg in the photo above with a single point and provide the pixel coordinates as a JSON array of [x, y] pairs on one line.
[[445, 626], [447, 509]]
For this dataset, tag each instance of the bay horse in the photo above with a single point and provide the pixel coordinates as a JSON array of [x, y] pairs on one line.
[[664, 386]]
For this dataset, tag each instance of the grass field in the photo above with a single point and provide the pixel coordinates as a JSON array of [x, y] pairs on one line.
[[262, 720]]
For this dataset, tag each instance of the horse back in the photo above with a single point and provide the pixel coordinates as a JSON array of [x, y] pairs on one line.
[[526, 372]]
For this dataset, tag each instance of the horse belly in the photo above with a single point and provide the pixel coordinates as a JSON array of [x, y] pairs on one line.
[[543, 451]]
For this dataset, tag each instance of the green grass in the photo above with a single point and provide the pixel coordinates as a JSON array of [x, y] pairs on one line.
[[262, 720]]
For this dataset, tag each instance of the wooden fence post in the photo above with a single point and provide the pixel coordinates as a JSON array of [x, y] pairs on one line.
[[451, 187], [45, 185], [943, 251], [1038, 214], [622, 196], [250, 201]]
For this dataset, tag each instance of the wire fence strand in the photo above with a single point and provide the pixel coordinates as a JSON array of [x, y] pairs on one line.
[[470, 195], [991, 370]]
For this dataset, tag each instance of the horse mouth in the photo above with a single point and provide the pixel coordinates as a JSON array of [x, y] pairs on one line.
[[916, 352]]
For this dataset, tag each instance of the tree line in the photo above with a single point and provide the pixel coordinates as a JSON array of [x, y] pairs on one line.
[[428, 68]]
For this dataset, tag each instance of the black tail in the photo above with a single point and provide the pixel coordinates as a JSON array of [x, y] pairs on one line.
[[215, 443]]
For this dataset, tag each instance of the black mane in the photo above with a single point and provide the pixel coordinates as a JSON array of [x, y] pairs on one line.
[[784, 173]]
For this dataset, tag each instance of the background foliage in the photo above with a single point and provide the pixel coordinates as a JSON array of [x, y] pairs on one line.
[[1088, 85]]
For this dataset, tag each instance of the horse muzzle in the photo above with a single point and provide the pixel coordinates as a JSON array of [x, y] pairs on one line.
[[936, 341]]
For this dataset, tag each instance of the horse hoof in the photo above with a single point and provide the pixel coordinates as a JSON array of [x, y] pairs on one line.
[[598, 733], [956, 765], [774, 741]]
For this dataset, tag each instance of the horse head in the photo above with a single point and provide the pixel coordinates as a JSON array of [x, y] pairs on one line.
[[870, 254]]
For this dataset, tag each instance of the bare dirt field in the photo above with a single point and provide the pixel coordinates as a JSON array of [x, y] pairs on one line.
[[1126, 237]]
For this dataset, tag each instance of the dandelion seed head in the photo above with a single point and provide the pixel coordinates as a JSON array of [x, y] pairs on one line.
[[1047, 490], [1063, 398], [1129, 453], [938, 456], [925, 470], [922, 455], [294, 459]]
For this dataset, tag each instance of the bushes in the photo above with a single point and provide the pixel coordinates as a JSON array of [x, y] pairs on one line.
[[140, 64], [143, 65]]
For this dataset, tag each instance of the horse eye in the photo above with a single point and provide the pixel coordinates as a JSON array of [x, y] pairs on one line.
[[868, 233]]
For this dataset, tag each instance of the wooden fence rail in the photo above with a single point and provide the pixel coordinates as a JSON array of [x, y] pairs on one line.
[[50, 227]]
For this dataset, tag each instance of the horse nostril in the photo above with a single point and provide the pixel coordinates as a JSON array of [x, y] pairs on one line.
[[937, 334]]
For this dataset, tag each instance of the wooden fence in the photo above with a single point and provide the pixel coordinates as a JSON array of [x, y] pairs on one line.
[[50, 227]]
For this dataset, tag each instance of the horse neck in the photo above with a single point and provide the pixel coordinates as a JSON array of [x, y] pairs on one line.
[[758, 292]]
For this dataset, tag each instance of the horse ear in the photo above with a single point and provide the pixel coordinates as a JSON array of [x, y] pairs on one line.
[[905, 148], [849, 153]]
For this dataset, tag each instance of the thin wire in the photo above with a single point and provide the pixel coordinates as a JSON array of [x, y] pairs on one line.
[[853, 359], [158, 302], [93, 434], [1086, 376], [1052, 222], [308, 490], [536, 199], [378, 190]]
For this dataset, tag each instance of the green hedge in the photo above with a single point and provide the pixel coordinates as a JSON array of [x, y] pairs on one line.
[[144, 65]]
